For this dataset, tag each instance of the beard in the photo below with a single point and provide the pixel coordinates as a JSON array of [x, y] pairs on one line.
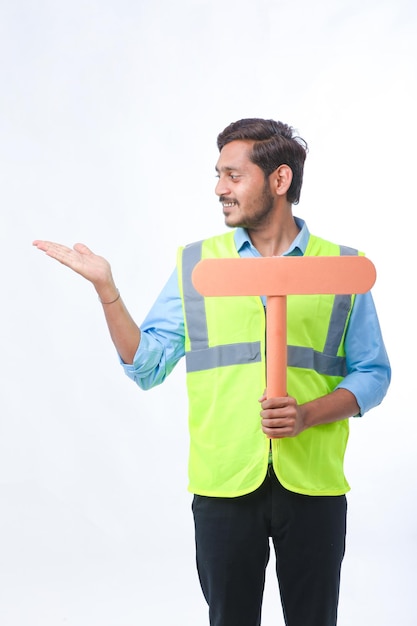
[[257, 213]]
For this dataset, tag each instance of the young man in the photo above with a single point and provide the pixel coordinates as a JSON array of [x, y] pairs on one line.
[[259, 468]]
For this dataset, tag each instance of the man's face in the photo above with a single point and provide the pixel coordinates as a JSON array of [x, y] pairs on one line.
[[242, 188]]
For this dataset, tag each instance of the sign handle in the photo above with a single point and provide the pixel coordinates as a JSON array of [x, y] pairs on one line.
[[276, 346]]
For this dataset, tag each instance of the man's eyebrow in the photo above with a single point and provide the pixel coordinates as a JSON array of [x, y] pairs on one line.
[[225, 168]]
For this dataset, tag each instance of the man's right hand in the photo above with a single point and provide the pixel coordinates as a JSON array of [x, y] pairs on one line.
[[83, 261], [123, 330]]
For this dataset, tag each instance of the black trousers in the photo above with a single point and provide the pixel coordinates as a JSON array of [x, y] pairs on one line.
[[233, 546]]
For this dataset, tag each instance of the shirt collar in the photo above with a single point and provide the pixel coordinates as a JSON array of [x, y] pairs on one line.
[[297, 247]]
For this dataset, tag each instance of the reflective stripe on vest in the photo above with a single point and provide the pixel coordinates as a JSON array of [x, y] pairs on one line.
[[201, 356]]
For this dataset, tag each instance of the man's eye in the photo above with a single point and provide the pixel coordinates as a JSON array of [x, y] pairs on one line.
[[233, 176]]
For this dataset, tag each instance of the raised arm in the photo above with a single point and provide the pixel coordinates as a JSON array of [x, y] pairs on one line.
[[124, 332]]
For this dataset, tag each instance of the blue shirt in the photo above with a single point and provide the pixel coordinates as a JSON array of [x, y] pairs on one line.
[[163, 337]]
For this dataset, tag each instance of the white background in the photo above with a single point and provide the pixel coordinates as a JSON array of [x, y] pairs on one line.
[[109, 114]]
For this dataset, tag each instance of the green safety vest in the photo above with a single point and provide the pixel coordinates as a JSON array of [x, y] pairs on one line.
[[225, 365]]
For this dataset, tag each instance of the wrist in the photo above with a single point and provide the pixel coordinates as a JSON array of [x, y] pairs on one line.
[[107, 292], [114, 299]]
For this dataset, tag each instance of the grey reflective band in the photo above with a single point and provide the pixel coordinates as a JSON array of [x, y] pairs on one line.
[[340, 312], [338, 318], [346, 251], [307, 358], [221, 356], [202, 357], [195, 311]]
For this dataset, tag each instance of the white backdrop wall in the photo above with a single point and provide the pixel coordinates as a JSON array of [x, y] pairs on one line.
[[108, 119]]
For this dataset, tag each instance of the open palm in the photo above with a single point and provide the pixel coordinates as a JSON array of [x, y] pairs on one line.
[[80, 259]]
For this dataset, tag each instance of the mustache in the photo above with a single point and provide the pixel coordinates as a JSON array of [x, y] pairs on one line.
[[223, 199]]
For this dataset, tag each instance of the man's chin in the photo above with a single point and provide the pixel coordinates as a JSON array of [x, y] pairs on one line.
[[230, 222]]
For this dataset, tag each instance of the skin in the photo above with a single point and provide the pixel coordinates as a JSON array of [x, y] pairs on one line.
[[123, 330], [253, 202], [260, 205]]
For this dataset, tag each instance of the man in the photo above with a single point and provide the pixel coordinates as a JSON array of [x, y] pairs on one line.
[[278, 475]]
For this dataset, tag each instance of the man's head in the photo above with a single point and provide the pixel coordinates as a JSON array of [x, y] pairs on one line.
[[275, 144]]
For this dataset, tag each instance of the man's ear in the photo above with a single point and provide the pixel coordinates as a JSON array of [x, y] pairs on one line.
[[281, 179]]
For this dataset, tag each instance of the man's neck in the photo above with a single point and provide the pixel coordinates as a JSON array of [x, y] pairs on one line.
[[275, 238]]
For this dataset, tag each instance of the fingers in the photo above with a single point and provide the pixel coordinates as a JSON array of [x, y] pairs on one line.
[[80, 259], [82, 248], [60, 252], [41, 245], [279, 426], [277, 409], [57, 251], [276, 403], [279, 417], [278, 432], [73, 258], [51, 246]]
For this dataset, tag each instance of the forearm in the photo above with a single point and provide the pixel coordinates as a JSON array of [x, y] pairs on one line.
[[338, 405], [284, 417], [124, 332]]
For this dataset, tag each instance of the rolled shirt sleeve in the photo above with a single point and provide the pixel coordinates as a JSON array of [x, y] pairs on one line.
[[162, 339], [368, 366]]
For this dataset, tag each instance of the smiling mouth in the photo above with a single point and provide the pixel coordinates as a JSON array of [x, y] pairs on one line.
[[228, 204]]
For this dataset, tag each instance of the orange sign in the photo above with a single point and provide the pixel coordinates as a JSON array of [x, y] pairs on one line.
[[276, 278]]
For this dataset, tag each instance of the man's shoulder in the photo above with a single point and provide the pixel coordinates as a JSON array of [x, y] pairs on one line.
[[320, 246], [225, 237]]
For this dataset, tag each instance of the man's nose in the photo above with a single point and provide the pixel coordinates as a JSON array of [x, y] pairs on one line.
[[222, 188]]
